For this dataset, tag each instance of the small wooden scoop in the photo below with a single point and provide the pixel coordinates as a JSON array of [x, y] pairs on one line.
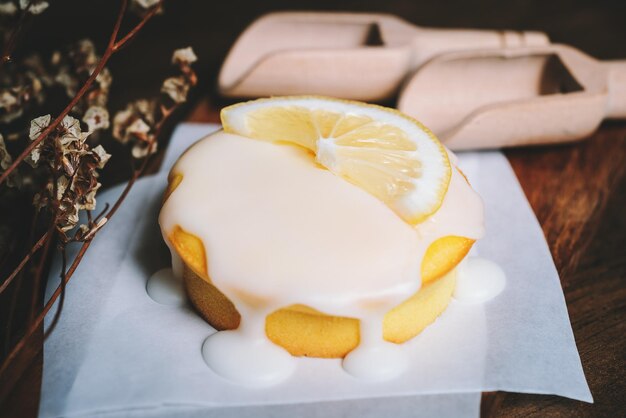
[[515, 96], [346, 55]]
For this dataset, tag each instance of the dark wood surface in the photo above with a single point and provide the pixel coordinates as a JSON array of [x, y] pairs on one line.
[[578, 191]]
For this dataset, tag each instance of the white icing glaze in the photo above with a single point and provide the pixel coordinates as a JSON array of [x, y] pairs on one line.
[[166, 288], [279, 229], [375, 358], [478, 280], [177, 264], [245, 355]]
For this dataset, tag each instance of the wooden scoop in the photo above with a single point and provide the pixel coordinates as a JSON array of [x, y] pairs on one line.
[[346, 55], [515, 96]]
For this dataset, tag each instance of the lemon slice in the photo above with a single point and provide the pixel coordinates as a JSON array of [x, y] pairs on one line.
[[381, 150]]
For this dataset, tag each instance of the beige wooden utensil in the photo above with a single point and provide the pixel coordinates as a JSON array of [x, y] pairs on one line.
[[515, 96], [346, 55]]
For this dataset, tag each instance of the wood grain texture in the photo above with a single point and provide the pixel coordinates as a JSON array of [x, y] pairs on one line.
[[578, 193]]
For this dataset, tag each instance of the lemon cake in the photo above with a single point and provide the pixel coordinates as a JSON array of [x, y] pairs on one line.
[[323, 227]]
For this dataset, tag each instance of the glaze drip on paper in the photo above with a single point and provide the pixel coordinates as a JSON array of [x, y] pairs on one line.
[[278, 229], [478, 280], [166, 288]]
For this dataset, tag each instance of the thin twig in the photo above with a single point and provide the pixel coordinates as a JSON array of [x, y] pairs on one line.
[[83, 249], [119, 44], [68, 275], [9, 46], [16, 292], [137, 172], [64, 280], [112, 47], [19, 346], [27, 257], [18, 281], [36, 295]]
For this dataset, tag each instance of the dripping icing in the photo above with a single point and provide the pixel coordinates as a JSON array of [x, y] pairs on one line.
[[166, 288], [478, 280], [359, 259]]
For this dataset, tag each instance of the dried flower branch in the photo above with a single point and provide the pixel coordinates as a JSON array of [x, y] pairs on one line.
[[65, 162], [86, 242], [138, 123], [73, 165], [27, 8], [113, 45]]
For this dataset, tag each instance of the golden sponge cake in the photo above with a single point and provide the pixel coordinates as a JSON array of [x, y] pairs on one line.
[[304, 331]]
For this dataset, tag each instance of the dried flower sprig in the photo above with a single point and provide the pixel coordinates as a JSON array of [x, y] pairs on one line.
[[114, 44], [138, 123], [59, 147], [73, 165], [20, 11]]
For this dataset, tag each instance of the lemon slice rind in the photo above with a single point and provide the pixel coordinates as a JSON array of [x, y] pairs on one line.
[[425, 168]]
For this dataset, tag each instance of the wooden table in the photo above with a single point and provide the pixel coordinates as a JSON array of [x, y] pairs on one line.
[[577, 191]]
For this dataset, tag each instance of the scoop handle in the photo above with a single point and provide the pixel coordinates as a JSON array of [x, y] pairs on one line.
[[616, 107], [427, 42]]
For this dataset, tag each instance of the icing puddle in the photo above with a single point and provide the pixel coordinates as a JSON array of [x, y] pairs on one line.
[[246, 356], [478, 280], [165, 288], [279, 230]]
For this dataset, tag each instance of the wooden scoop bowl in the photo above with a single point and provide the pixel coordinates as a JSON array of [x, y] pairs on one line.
[[346, 55], [515, 96]]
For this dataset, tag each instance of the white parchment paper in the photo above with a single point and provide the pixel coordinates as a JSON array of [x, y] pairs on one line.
[[117, 352]]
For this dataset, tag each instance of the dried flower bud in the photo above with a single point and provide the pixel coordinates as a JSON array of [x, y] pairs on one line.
[[141, 7], [34, 6], [96, 117], [146, 109], [70, 131], [102, 155], [5, 162], [67, 216], [55, 59], [62, 185], [121, 121], [135, 122], [177, 88], [104, 79], [82, 232], [88, 201], [184, 56], [138, 128], [143, 149], [72, 67], [38, 125], [84, 55], [67, 80], [8, 9], [146, 4], [10, 107], [7, 100], [5, 157]]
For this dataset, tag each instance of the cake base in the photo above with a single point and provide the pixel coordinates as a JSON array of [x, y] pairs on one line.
[[304, 331]]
